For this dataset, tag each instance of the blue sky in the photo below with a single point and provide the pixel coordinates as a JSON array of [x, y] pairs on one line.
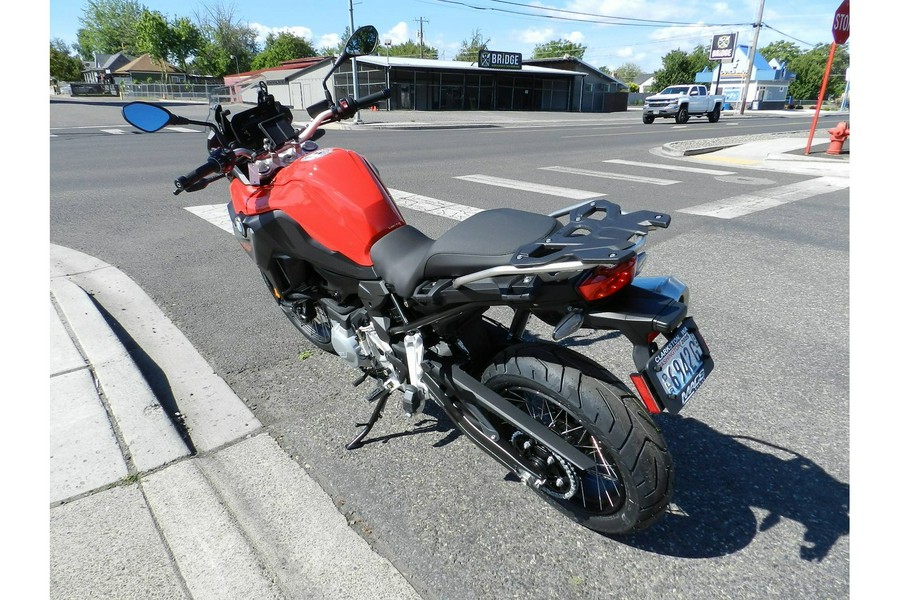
[[655, 26]]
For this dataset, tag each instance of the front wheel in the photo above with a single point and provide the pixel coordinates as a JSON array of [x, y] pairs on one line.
[[314, 326], [631, 484], [682, 117], [648, 119]]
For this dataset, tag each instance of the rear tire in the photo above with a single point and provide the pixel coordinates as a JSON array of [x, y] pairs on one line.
[[682, 117], [596, 413], [714, 115]]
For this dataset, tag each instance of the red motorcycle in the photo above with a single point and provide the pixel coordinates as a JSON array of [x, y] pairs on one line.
[[409, 311]]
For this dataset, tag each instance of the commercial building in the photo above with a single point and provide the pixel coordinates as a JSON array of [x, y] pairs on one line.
[[426, 84], [768, 87]]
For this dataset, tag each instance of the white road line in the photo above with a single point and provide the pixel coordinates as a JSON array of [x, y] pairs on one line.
[[526, 186], [745, 204], [633, 163], [181, 130], [619, 176], [433, 206], [217, 214], [114, 131]]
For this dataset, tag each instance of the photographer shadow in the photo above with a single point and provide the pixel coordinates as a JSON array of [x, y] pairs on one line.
[[720, 477]]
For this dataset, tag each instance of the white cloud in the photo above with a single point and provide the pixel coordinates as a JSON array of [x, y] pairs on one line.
[[262, 32], [329, 40], [575, 36], [535, 36], [398, 34], [626, 52]]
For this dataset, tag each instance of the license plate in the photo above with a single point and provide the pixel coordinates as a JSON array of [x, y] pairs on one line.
[[680, 367]]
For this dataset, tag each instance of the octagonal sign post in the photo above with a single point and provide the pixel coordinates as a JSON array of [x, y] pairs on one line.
[[840, 29]]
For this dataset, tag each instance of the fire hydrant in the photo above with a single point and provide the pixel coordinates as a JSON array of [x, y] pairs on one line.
[[839, 135]]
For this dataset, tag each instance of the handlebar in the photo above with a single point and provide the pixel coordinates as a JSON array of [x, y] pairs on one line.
[[214, 164]]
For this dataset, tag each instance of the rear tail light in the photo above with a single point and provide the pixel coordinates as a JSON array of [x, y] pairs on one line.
[[606, 281]]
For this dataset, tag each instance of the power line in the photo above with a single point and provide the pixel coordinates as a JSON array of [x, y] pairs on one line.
[[601, 19], [767, 26]]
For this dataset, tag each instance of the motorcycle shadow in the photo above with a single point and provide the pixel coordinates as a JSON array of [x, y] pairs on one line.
[[720, 477]]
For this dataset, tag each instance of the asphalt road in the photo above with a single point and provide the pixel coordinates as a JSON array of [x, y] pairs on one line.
[[761, 454]]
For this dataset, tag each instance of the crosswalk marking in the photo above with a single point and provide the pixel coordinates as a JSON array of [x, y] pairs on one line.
[[667, 167], [114, 131], [181, 130], [217, 214], [526, 186], [745, 204], [433, 206], [618, 176]]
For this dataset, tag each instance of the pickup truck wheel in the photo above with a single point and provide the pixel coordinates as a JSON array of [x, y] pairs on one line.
[[648, 119], [682, 117], [714, 115]]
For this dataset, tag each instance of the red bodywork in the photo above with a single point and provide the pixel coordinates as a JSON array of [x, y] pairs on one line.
[[334, 195]]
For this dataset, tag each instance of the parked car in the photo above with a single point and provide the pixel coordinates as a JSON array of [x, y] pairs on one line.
[[683, 102]]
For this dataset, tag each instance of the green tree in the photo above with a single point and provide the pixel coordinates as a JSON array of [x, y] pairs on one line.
[[681, 67], [226, 42], [470, 48], [153, 37], [628, 72], [186, 40], [108, 26], [810, 70], [558, 49], [782, 51], [280, 48], [411, 49], [63, 66]]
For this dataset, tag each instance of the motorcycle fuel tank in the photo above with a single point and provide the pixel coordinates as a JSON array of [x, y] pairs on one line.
[[334, 195]]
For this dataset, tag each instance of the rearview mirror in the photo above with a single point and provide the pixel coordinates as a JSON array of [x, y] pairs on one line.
[[147, 117], [363, 41]]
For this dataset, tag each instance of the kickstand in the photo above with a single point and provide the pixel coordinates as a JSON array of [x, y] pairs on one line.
[[381, 397]]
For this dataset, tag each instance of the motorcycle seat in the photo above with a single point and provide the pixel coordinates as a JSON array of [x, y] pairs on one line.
[[405, 257]]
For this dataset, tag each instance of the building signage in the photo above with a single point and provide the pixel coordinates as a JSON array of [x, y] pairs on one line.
[[723, 47], [489, 59]]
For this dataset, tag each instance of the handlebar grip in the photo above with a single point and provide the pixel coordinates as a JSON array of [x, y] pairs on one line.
[[371, 99], [186, 181]]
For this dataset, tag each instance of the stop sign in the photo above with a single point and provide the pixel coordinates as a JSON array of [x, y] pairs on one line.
[[841, 27]]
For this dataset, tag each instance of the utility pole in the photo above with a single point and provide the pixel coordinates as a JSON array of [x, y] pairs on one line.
[[353, 61], [752, 58], [421, 36]]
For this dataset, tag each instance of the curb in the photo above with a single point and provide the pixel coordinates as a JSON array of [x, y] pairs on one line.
[[136, 510]]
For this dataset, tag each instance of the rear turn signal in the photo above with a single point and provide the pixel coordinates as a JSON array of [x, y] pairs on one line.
[[606, 281]]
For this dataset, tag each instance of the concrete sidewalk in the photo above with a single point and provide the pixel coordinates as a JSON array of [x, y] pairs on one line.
[[162, 482]]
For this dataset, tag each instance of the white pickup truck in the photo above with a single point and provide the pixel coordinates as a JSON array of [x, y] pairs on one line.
[[683, 102]]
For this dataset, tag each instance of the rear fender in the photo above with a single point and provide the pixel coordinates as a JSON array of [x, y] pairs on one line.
[[647, 307]]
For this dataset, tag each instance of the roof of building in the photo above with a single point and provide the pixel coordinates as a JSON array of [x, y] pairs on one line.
[[427, 63], [145, 64], [574, 61]]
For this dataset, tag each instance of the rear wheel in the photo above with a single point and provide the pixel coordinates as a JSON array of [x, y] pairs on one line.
[[631, 484], [714, 115]]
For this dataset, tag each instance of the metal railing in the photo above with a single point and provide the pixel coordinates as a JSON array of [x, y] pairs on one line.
[[197, 92]]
